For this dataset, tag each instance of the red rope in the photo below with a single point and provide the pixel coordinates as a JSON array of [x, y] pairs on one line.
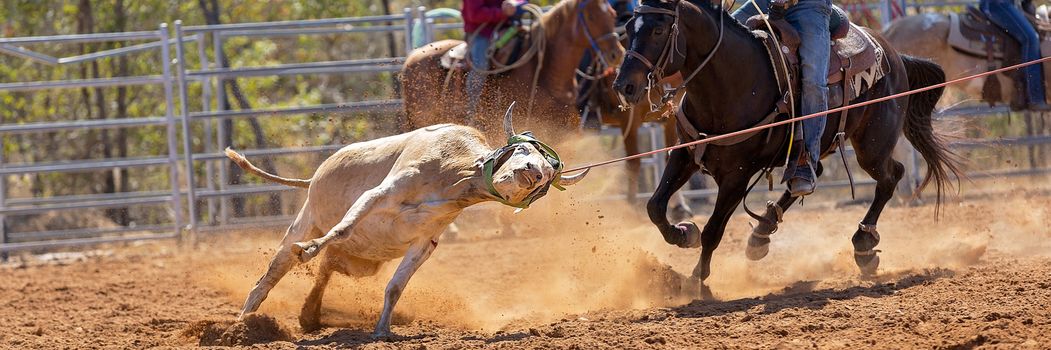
[[813, 115]]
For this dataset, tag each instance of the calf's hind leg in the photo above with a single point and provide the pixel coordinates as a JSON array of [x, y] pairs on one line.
[[334, 260], [283, 261]]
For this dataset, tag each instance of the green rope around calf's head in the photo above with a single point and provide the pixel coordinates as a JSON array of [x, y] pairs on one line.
[[489, 165]]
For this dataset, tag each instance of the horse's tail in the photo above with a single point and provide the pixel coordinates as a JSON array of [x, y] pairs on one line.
[[249, 167], [941, 161]]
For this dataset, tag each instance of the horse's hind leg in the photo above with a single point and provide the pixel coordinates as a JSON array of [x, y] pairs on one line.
[[334, 261], [875, 158], [759, 241]]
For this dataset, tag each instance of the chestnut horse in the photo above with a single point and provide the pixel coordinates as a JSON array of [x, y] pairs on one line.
[[570, 28]]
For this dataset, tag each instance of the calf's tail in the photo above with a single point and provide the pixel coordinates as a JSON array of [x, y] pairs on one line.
[[249, 167]]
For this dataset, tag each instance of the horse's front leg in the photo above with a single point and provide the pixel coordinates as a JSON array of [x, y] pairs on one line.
[[732, 189], [679, 170]]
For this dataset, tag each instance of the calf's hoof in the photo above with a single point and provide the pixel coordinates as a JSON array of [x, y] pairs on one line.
[[305, 250], [757, 247], [691, 235]]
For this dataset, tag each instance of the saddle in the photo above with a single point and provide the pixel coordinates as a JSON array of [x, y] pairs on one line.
[[973, 33], [502, 53], [855, 65]]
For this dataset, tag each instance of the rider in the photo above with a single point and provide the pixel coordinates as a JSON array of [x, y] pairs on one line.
[[480, 20], [811, 19], [1007, 15]]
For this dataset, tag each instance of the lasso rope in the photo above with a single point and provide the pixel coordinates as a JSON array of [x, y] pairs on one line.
[[712, 138]]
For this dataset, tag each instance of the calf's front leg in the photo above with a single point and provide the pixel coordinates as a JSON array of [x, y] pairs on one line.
[[417, 254], [361, 207]]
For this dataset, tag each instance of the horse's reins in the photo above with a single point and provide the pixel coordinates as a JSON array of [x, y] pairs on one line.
[[671, 48]]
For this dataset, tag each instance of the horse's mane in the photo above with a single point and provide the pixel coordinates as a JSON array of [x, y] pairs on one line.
[[728, 20]]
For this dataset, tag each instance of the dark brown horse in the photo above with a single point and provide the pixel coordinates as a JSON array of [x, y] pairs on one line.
[[737, 89], [570, 28]]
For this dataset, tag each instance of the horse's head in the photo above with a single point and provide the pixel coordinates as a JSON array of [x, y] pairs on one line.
[[597, 22], [655, 47]]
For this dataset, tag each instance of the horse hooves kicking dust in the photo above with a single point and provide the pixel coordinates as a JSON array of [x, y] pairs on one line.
[[700, 41]]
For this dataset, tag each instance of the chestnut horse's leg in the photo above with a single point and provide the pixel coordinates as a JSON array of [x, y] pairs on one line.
[[679, 170]]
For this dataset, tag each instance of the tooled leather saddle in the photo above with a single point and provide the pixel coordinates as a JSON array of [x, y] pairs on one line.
[[855, 65], [503, 53]]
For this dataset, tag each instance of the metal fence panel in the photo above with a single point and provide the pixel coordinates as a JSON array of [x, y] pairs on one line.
[[15, 209], [211, 73]]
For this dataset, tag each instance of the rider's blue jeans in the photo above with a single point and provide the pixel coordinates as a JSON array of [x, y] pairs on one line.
[[1009, 17], [476, 53], [810, 18]]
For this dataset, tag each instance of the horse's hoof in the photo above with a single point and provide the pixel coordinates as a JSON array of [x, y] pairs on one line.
[[757, 248], [867, 263], [305, 250], [691, 285], [706, 293], [309, 324], [694, 287], [691, 235]]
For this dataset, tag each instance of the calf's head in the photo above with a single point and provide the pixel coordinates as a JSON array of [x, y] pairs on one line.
[[525, 168]]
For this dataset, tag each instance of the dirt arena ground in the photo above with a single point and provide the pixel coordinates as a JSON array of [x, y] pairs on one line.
[[583, 276]]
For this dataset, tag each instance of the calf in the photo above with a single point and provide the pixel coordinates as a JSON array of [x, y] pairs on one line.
[[384, 199]]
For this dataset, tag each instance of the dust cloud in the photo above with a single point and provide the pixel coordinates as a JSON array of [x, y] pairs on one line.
[[571, 255]]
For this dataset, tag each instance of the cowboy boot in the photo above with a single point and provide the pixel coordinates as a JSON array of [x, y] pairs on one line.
[[803, 181]]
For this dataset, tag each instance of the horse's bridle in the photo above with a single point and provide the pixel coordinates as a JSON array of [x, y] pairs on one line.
[[595, 49], [671, 48]]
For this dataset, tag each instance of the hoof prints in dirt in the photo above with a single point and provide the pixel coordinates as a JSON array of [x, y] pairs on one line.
[[253, 329]]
